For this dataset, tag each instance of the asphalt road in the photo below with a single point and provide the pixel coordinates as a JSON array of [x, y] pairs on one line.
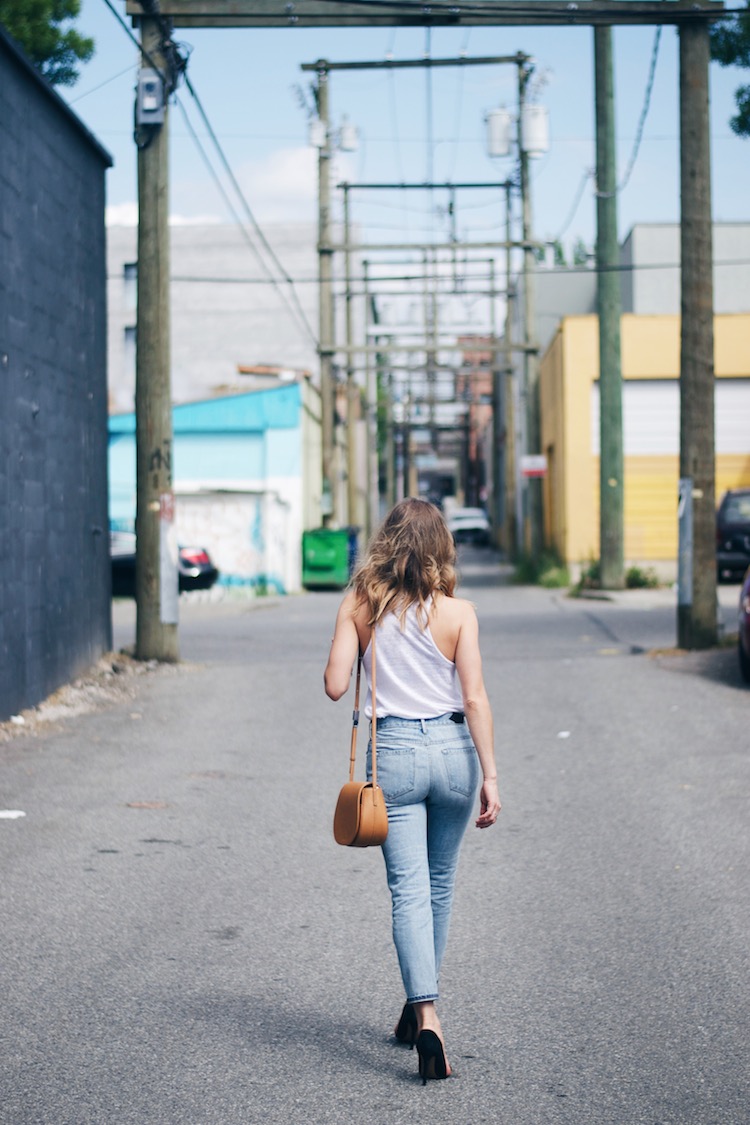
[[182, 941]]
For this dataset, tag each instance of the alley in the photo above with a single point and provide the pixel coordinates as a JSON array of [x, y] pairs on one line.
[[182, 941]]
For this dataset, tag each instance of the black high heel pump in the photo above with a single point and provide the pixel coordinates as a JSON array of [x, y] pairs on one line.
[[406, 1028], [432, 1061]]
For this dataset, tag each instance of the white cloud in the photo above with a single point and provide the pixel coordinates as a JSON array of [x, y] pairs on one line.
[[281, 187], [193, 220], [121, 215], [126, 215]]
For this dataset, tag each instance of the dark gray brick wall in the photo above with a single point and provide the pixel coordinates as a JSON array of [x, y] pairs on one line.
[[55, 617]]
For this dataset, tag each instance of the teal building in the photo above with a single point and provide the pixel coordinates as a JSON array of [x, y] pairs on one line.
[[246, 477]]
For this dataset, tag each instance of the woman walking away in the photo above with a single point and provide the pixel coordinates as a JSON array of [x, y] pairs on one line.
[[429, 690]]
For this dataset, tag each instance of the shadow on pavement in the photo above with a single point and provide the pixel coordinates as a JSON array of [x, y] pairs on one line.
[[719, 665], [264, 1022]]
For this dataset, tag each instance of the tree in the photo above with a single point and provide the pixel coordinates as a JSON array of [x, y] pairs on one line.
[[40, 26], [581, 253], [558, 253], [730, 46]]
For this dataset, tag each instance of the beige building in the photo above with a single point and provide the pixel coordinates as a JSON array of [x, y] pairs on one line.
[[569, 390]]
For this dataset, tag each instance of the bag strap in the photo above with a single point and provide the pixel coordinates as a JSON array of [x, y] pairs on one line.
[[355, 718], [374, 730]]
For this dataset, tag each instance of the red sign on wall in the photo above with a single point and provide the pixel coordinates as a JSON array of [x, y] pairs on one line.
[[534, 465]]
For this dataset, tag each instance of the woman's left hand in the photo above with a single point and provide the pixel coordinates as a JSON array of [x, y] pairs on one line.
[[489, 804]]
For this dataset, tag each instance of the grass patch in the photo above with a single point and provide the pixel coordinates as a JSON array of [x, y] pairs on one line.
[[547, 570], [636, 578], [641, 578]]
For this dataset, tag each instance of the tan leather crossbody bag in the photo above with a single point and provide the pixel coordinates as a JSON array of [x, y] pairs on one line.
[[360, 820]]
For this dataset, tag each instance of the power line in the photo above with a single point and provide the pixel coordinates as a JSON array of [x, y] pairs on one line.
[[428, 106], [178, 66], [459, 111], [590, 174], [419, 276], [133, 38], [248, 210], [176, 62], [641, 122], [587, 175], [394, 122], [531, 10], [270, 279], [101, 85]]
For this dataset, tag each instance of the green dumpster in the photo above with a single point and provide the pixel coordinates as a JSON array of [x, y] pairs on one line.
[[325, 558]]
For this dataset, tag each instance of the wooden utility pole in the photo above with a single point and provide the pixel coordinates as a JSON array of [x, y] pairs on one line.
[[429, 316], [373, 403], [156, 555], [513, 497], [499, 13], [530, 358], [498, 422], [611, 467], [352, 390], [696, 611], [329, 499]]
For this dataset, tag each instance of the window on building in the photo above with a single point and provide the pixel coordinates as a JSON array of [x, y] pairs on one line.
[[130, 283], [129, 352]]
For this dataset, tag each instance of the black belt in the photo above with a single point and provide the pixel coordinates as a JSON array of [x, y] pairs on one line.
[[456, 716]]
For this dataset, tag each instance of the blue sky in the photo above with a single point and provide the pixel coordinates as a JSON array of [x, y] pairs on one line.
[[246, 80]]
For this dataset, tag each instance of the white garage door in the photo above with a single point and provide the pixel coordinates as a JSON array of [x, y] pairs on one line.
[[651, 416]]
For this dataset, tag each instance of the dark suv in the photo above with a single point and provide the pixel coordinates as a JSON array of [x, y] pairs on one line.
[[733, 534]]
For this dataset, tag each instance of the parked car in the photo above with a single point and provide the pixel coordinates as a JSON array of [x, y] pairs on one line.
[[469, 525], [743, 640], [195, 569], [733, 534]]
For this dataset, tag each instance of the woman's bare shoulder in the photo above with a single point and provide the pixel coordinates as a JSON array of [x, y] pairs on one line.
[[352, 605], [455, 610], [458, 606]]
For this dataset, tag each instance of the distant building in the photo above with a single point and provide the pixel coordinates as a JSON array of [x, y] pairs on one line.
[[567, 331], [474, 387], [226, 315], [232, 330], [649, 279], [247, 480], [650, 257], [569, 390]]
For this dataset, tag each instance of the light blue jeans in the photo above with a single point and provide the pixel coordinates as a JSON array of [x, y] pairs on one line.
[[429, 772]]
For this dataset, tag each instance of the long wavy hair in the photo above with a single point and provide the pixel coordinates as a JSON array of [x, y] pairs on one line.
[[409, 558]]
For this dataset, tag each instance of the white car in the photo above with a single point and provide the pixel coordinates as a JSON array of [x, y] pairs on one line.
[[469, 525]]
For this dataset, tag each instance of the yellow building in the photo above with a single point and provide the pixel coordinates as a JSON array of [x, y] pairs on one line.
[[569, 390]]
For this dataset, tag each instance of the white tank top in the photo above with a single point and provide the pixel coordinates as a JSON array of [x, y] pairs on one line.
[[413, 678]]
